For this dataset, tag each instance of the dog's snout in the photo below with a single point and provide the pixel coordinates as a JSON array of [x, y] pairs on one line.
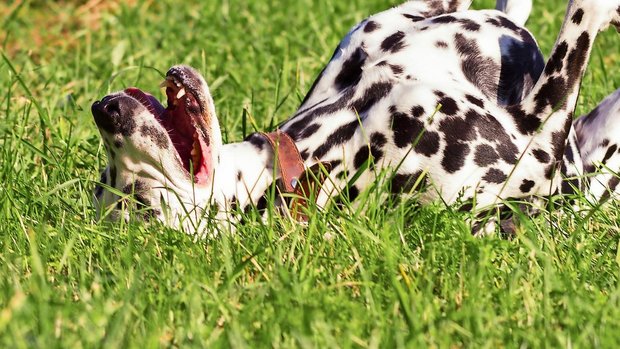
[[113, 114]]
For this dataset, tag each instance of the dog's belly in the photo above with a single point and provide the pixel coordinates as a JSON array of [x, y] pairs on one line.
[[417, 96], [442, 143]]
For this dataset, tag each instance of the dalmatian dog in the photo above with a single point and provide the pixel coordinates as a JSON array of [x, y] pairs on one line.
[[458, 104]]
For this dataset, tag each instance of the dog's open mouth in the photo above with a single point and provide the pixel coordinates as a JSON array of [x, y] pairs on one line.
[[180, 119]]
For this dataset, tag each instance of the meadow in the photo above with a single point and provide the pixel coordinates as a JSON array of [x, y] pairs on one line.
[[378, 275]]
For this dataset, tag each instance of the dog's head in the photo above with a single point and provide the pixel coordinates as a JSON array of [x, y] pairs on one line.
[[158, 153]]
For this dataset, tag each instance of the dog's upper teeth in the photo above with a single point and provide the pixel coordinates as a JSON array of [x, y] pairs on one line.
[[181, 93]]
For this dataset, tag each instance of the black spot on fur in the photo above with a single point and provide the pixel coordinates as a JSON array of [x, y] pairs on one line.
[[577, 16], [408, 130], [506, 23], [475, 101], [479, 70], [508, 152], [397, 69], [404, 129], [551, 94], [138, 190], [456, 130], [394, 42], [441, 44], [615, 180], [611, 185], [568, 154], [305, 132], [234, 203], [351, 72], [558, 143], [542, 156], [555, 63], [118, 144], [404, 183], [526, 186], [113, 176], [469, 25], [604, 143], [261, 205], [239, 176], [157, 136], [372, 95], [493, 22], [485, 155], [377, 142], [341, 135], [371, 26], [353, 193], [578, 59], [417, 111], [495, 176], [428, 144], [413, 18], [362, 155], [526, 123], [448, 106], [304, 154], [257, 140], [298, 123], [454, 157], [609, 153], [444, 19], [348, 194]]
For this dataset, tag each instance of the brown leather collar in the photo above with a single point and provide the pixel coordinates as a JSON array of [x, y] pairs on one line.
[[287, 155], [304, 184]]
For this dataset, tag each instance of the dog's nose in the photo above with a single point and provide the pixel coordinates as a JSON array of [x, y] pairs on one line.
[[103, 119], [115, 114]]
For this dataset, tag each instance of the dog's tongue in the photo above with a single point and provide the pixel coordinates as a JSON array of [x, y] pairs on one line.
[[151, 103]]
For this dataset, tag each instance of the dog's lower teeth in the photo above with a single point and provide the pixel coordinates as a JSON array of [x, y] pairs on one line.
[[181, 93]]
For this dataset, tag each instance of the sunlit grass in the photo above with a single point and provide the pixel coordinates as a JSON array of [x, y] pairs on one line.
[[385, 274]]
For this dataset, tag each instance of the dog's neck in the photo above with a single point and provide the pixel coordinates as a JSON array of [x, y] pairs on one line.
[[244, 172]]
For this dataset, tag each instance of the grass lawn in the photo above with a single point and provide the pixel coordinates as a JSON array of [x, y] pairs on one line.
[[402, 276]]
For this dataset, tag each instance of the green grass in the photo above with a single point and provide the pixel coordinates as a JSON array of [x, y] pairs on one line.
[[403, 276]]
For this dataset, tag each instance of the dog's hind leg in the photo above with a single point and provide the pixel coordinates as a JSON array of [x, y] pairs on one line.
[[546, 112]]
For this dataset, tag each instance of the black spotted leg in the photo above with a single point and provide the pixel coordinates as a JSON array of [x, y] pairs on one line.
[[546, 112]]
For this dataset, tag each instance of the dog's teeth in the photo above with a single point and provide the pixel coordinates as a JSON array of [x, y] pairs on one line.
[[181, 93]]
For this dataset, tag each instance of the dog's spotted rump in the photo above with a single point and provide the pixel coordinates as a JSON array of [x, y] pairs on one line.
[[457, 102]]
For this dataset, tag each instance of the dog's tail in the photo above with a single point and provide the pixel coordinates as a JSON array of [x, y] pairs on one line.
[[517, 10]]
